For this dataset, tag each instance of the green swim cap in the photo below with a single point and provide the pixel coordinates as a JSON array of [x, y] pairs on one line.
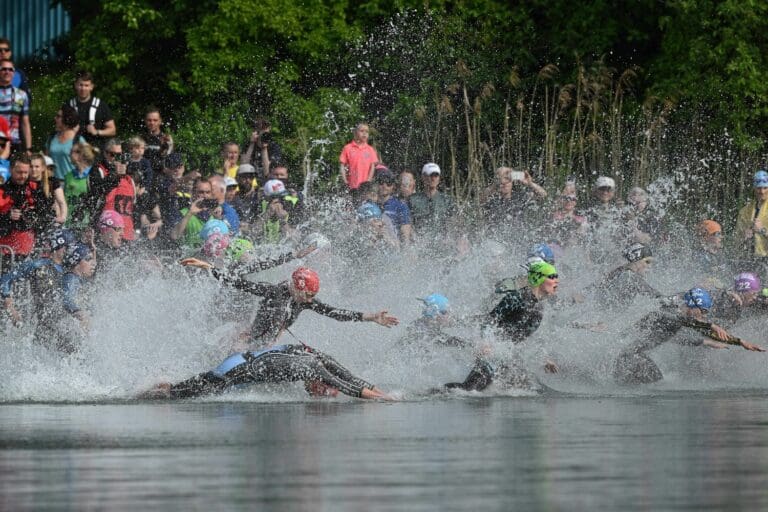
[[238, 247], [538, 272]]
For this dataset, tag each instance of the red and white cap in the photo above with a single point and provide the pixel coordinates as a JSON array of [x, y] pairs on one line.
[[306, 280], [274, 188]]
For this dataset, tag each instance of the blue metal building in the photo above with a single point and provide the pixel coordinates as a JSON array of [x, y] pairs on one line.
[[32, 25]]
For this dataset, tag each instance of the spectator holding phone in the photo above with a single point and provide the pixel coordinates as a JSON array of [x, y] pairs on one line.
[[511, 202]]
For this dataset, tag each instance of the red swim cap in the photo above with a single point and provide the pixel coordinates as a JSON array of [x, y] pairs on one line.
[[306, 280]]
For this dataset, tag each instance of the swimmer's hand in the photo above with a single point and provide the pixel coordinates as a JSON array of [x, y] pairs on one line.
[[194, 262], [719, 333], [751, 346], [551, 367], [381, 318], [307, 250]]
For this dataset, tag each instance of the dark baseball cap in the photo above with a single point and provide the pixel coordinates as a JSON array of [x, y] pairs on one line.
[[173, 161]]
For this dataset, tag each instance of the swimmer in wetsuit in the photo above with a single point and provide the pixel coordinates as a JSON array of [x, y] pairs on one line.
[[517, 315], [621, 285], [633, 366], [279, 363], [282, 304]]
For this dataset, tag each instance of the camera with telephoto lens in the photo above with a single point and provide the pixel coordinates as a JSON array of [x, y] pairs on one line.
[[265, 137]]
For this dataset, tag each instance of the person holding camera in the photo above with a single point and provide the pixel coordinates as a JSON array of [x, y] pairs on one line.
[[202, 207], [262, 152]]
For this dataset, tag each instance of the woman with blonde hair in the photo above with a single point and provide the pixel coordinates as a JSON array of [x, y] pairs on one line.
[[52, 189], [86, 185]]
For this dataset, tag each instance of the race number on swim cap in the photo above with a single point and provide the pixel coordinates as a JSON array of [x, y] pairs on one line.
[[306, 280], [698, 298], [747, 282]]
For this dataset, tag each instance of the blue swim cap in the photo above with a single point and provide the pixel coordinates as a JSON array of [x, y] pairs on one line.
[[435, 304], [698, 298], [368, 211], [214, 226], [544, 252], [76, 254], [62, 237], [761, 179]]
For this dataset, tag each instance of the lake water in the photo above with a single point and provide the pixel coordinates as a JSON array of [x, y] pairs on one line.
[[665, 451]]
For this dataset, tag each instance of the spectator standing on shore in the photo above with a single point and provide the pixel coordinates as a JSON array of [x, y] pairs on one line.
[[752, 222], [19, 77], [59, 144], [96, 122], [14, 107], [358, 159], [21, 202], [230, 154], [262, 152], [159, 143]]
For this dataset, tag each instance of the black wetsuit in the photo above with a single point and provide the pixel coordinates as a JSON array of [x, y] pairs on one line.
[[518, 315], [280, 363], [633, 366], [278, 310], [621, 286], [426, 330]]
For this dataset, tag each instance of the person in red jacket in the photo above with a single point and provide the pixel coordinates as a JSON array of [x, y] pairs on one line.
[[19, 198], [122, 199]]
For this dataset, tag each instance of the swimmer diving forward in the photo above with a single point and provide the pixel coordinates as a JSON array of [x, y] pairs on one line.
[[280, 363]]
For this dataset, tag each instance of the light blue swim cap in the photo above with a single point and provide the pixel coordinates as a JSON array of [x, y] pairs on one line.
[[435, 304]]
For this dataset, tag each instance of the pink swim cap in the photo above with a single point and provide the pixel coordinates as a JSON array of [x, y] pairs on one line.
[[110, 219]]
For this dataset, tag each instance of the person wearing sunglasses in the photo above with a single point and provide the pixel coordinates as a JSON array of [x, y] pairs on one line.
[[14, 107], [568, 226], [517, 316], [633, 366], [19, 77]]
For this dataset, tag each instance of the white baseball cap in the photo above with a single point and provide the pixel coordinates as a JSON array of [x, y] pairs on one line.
[[49, 161], [230, 182], [605, 181], [430, 169]]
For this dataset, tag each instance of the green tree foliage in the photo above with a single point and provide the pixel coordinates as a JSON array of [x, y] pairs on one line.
[[550, 83], [713, 54]]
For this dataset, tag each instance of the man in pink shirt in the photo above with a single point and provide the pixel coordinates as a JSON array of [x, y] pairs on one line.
[[358, 158]]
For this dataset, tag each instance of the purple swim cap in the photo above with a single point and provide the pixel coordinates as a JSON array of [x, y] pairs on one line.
[[747, 282]]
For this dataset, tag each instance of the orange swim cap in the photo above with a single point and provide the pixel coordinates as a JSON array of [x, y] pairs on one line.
[[708, 227]]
